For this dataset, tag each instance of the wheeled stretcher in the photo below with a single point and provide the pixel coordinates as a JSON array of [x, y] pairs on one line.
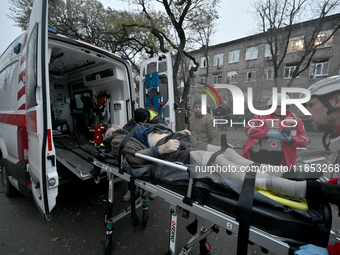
[[227, 203]]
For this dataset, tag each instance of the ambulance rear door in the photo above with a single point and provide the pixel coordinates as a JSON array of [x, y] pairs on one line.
[[156, 89], [41, 152]]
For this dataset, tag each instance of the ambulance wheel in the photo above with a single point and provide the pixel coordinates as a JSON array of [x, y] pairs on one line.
[[108, 244], [8, 189]]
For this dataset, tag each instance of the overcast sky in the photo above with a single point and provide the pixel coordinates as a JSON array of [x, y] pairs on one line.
[[235, 22]]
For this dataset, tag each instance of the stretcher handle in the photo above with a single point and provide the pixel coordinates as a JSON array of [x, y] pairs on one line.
[[128, 152], [156, 160]]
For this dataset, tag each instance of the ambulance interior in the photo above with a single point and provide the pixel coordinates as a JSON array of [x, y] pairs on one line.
[[89, 91]]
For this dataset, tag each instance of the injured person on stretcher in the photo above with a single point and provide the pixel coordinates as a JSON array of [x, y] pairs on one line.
[[161, 142]]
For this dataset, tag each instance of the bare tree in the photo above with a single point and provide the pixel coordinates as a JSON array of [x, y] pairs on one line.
[[90, 21], [277, 19], [130, 32], [21, 10], [204, 30], [180, 14], [85, 19]]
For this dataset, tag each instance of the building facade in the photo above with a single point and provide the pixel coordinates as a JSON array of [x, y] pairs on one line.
[[247, 62]]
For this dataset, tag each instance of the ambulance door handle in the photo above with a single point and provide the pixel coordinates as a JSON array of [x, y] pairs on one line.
[[36, 184], [52, 158]]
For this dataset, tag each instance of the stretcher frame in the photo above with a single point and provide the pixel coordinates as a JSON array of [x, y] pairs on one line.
[[265, 240]]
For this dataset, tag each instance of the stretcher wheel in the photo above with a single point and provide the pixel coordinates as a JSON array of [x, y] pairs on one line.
[[108, 243], [108, 237], [145, 218], [145, 212]]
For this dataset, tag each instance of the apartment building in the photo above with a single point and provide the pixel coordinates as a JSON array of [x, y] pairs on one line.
[[247, 62]]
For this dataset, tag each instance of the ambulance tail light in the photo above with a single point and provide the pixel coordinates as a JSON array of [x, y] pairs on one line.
[[22, 144]]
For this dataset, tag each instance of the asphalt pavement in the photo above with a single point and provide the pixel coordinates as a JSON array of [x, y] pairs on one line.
[[77, 221], [77, 228]]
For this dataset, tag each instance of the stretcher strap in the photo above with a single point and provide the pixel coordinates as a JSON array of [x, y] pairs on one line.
[[122, 145], [224, 146], [244, 210]]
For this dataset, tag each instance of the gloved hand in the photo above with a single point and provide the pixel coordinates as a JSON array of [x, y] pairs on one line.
[[287, 138], [278, 136], [310, 249], [275, 135]]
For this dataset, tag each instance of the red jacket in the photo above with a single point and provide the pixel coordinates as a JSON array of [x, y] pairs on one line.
[[299, 135]]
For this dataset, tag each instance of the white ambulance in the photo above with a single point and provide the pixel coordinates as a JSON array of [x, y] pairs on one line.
[[53, 90]]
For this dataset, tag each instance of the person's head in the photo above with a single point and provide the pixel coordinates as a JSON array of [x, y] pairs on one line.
[[141, 115], [324, 104], [198, 107], [277, 111], [224, 103]]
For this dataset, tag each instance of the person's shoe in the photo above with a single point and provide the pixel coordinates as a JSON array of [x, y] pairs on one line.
[[127, 196], [153, 196]]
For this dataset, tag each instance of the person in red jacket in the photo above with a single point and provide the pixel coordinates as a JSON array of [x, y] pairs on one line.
[[269, 143]]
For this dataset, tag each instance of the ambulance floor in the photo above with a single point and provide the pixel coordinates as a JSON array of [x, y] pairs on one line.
[[73, 153]]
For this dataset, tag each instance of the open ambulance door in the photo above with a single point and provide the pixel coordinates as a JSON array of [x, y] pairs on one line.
[[156, 89], [41, 152]]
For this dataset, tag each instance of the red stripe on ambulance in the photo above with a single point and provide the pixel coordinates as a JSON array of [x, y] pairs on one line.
[[23, 59], [22, 107], [32, 121], [21, 92], [49, 139], [21, 75], [25, 41], [13, 119]]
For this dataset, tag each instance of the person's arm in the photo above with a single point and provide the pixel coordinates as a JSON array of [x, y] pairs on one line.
[[170, 146], [228, 110], [301, 139], [213, 132], [224, 112]]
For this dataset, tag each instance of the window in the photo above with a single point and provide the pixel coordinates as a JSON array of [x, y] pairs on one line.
[[31, 70], [319, 68], [203, 79], [218, 59], [80, 99], [217, 78], [268, 73], [204, 62], [249, 74], [234, 56], [267, 53], [295, 44], [289, 70], [232, 77], [322, 37], [251, 52], [163, 90]]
